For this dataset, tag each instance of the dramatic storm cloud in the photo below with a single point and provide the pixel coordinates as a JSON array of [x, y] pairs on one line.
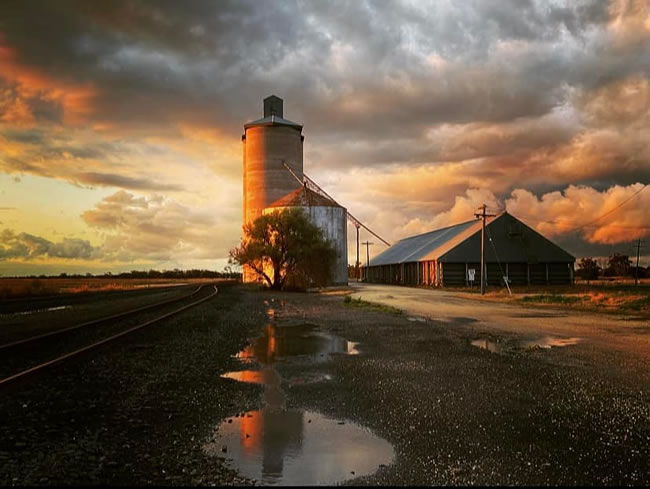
[[415, 113], [27, 246]]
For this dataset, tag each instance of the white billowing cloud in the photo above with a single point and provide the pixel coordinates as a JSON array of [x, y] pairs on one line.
[[625, 214], [571, 214], [159, 228]]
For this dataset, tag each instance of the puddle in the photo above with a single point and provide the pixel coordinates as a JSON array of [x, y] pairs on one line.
[[418, 319], [546, 342], [265, 376], [281, 446], [290, 341], [488, 345], [298, 448]]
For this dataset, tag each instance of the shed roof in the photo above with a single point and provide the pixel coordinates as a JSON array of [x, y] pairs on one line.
[[416, 248], [304, 197], [509, 237]]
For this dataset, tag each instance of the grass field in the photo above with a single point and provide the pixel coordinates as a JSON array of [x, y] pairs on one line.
[[600, 295], [373, 306], [13, 288]]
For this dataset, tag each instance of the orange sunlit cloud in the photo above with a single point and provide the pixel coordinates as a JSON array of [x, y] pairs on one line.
[[30, 83]]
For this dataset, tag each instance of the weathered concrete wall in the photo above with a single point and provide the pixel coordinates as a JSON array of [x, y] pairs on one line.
[[333, 222], [265, 177]]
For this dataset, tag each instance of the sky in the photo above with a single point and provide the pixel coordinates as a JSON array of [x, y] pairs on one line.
[[121, 122]]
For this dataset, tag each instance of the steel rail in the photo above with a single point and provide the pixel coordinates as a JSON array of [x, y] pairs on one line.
[[97, 321], [92, 346]]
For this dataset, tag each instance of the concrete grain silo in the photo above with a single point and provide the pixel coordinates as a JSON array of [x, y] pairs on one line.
[[268, 143], [329, 217]]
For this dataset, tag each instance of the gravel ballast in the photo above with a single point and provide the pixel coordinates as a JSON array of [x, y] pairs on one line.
[[135, 412]]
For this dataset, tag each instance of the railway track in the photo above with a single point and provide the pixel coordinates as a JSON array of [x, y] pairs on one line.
[[28, 356]]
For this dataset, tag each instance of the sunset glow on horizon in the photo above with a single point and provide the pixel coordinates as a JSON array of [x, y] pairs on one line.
[[121, 122]]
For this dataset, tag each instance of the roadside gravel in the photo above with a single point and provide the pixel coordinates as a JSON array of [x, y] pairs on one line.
[[460, 415], [136, 412]]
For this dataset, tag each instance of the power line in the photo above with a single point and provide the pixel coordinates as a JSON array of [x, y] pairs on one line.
[[615, 208], [306, 181], [483, 216], [503, 273], [554, 221]]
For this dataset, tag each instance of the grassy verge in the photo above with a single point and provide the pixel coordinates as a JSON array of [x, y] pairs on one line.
[[599, 301], [597, 297], [359, 303], [551, 299]]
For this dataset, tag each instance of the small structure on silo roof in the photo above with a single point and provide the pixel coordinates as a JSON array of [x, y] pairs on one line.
[[329, 217]]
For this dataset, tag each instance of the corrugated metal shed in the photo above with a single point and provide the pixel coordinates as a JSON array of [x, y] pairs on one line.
[[512, 240]]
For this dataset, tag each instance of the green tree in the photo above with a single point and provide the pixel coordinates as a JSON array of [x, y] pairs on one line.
[[588, 269], [285, 249]]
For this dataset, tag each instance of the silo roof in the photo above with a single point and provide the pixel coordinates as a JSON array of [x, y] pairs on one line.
[[272, 120], [304, 197]]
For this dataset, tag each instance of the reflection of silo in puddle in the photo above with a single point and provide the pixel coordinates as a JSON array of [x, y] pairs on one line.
[[273, 431], [283, 431]]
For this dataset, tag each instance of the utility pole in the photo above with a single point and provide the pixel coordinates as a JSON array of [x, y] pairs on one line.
[[636, 271], [367, 243], [357, 267], [483, 216]]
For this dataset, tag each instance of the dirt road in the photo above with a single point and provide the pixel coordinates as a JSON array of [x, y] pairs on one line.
[[623, 333]]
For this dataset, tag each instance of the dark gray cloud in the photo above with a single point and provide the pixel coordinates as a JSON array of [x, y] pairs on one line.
[[109, 180], [211, 62], [351, 71], [28, 246]]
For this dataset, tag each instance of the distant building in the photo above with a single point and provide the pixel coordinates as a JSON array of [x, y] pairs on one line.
[[451, 256]]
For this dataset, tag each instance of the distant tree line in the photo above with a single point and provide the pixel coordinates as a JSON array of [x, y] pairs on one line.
[[616, 265], [175, 273]]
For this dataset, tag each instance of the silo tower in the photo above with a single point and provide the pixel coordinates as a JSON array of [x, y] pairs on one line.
[[268, 143]]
